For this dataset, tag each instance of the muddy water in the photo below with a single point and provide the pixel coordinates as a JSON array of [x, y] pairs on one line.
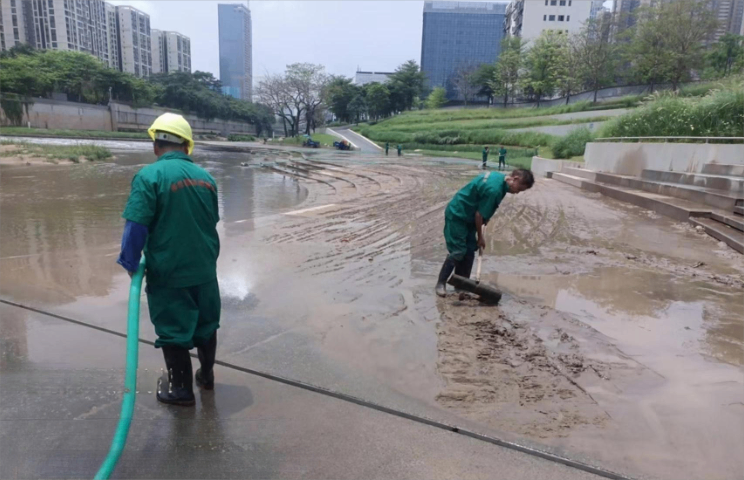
[[61, 225], [619, 337]]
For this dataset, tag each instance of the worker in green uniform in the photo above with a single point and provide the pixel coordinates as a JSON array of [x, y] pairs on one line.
[[387, 146], [467, 214], [172, 214], [400, 149], [485, 157], [502, 156]]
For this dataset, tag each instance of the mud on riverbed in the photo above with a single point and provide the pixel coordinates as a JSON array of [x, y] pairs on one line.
[[619, 335]]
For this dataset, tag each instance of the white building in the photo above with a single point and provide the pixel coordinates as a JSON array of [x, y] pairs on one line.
[[113, 35], [158, 55], [363, 78], [12, 23], [135, 42], [171, 52], [527, 19]]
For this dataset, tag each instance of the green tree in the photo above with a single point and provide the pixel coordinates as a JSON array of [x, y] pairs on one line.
[[596, 54], [567, 66], [505, 79], [482, 78], [540, 65], [727, 55], [339, 93], [645, 50], [378, 100], [406, 85], [437, 98], [357, 108]]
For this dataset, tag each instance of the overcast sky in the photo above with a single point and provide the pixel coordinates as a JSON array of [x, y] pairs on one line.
[[342, 35]]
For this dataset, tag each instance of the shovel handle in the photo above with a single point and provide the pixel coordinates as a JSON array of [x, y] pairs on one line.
[[478, 269]]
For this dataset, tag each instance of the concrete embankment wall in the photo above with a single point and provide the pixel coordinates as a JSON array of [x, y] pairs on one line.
[[541, 166], [59, 114], [633, 158]]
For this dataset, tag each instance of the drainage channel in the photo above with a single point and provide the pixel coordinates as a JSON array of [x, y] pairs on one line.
[[599, 471]]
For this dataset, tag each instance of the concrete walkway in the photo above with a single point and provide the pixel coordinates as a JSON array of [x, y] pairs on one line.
[[364, 145], [59, 413]]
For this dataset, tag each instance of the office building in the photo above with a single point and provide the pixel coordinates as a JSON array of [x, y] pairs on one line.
[[458, 35], [597, 8], [236, 50], [135, 42], [363, 78], [527, 19]]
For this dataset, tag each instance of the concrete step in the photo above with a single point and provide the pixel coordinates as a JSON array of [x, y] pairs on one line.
[[732, 237], [729, 183], [733, 221], [714, 198], [575, 181], [739, 210], [723, 169], [675, 208], [579, 172]]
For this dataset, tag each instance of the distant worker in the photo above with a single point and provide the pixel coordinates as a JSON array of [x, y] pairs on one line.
[[502, 156], [467, 214], [485, 157], [172, 213], [400, 149], [387, 147]]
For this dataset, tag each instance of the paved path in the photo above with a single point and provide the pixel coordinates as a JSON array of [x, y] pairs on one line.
[[60, 403], [364, 145]]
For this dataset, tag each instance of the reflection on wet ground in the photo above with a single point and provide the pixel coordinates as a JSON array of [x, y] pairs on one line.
[[615, 320]]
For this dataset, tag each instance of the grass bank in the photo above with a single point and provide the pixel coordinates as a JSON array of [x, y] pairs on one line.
[[720, 113], [25, 153], [43, 132]]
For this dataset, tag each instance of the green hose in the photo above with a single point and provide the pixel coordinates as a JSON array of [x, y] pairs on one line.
[[130, 377]]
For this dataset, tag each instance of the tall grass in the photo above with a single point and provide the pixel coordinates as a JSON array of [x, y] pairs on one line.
[[573, 144], [719, 114]]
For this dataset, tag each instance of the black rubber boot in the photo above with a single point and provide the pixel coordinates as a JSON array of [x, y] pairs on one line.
[[447, 268], [207, 353], [176, 388], [464, 267]]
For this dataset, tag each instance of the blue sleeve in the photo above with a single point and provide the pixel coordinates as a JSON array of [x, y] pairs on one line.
[[132, 243]]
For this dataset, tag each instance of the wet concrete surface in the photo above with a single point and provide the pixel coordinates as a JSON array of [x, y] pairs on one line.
[[619, 339], [59, 413]]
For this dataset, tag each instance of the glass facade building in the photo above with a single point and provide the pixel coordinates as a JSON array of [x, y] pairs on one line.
[[236, 50], [459, 35]]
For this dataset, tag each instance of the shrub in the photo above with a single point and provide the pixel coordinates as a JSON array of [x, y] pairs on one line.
[[240, 138], [573, 144]]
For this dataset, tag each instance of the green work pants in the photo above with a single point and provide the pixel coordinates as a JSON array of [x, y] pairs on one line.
[[184, 317], [460, 238]]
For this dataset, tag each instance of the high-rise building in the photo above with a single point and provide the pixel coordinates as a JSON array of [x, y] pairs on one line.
[[363, 78], [597, 8], [459, 35], [135, 42], [236, 50], [13, 23], [527, 19], [729, 14], [113, 35], [158, 55]]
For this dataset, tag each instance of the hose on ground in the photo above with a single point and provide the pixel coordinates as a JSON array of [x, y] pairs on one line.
[[130, 377]]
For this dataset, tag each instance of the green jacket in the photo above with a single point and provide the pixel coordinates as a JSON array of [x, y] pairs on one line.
[[177, 201]]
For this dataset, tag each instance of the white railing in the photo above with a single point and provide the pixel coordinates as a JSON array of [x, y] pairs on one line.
[[667, 139]]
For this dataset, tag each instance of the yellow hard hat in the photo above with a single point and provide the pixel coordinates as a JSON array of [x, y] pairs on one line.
[[169, 124]]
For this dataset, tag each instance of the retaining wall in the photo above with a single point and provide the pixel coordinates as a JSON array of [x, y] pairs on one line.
[[541, 166], [633, 158], [63, 115]]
